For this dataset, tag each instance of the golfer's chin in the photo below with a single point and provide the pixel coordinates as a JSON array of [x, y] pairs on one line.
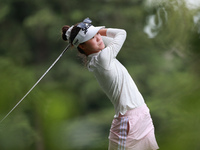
[[101, 46]]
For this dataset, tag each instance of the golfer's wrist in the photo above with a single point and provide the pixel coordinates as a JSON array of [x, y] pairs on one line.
[[103, 32]]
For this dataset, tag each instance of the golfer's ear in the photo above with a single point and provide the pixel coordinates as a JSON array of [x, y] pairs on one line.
[[81, 46]]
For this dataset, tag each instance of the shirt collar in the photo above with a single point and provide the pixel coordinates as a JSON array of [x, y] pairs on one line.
[[94, 54]]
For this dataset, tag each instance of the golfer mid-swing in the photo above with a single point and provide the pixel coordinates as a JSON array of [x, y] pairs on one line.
[[132, 127]]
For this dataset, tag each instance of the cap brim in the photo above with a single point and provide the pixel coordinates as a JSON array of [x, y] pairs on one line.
[[92, 31]]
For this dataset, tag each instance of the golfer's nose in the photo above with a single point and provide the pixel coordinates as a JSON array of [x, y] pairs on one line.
[[98, 37]]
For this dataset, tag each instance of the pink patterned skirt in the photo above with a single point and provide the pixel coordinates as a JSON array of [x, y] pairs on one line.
[[133, 131]]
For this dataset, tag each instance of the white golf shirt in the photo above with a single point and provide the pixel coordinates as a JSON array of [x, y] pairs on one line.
[[112, 76]]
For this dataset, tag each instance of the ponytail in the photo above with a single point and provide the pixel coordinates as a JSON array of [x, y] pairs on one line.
[[64, 30], [75, 30]]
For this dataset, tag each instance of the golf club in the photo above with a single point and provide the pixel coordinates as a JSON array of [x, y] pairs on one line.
[[68, 46]]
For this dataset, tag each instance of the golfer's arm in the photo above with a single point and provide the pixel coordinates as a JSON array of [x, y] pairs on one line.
[[103, 32]]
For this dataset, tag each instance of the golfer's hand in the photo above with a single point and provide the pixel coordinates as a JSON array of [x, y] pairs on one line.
[[103, 32]]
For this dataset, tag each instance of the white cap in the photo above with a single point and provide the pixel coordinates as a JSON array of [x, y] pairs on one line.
[[85, 35]]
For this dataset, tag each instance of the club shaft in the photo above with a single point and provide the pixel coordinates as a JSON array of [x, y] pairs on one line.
[[36, 82]]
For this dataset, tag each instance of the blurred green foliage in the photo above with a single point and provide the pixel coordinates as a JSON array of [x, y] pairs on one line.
[[68, 110]]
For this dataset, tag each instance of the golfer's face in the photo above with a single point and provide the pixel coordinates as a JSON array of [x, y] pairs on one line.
[[95, 44]]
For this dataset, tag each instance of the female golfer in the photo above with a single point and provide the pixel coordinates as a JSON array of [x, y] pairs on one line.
[[132, 127]]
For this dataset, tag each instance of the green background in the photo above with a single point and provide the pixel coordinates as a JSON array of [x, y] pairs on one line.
[[68, 110]]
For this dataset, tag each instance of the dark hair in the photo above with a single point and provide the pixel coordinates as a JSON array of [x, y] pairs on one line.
[[74, 32], [64, 30]]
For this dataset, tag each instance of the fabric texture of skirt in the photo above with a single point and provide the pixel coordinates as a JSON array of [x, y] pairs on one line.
[[133, 131]]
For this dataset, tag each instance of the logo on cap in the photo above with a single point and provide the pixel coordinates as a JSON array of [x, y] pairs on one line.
[[85, 25]]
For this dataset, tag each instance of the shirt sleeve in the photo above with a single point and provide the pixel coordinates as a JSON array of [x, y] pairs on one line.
[[109, 53]]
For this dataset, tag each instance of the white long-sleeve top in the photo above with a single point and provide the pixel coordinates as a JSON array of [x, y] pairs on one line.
[[112, 76]]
